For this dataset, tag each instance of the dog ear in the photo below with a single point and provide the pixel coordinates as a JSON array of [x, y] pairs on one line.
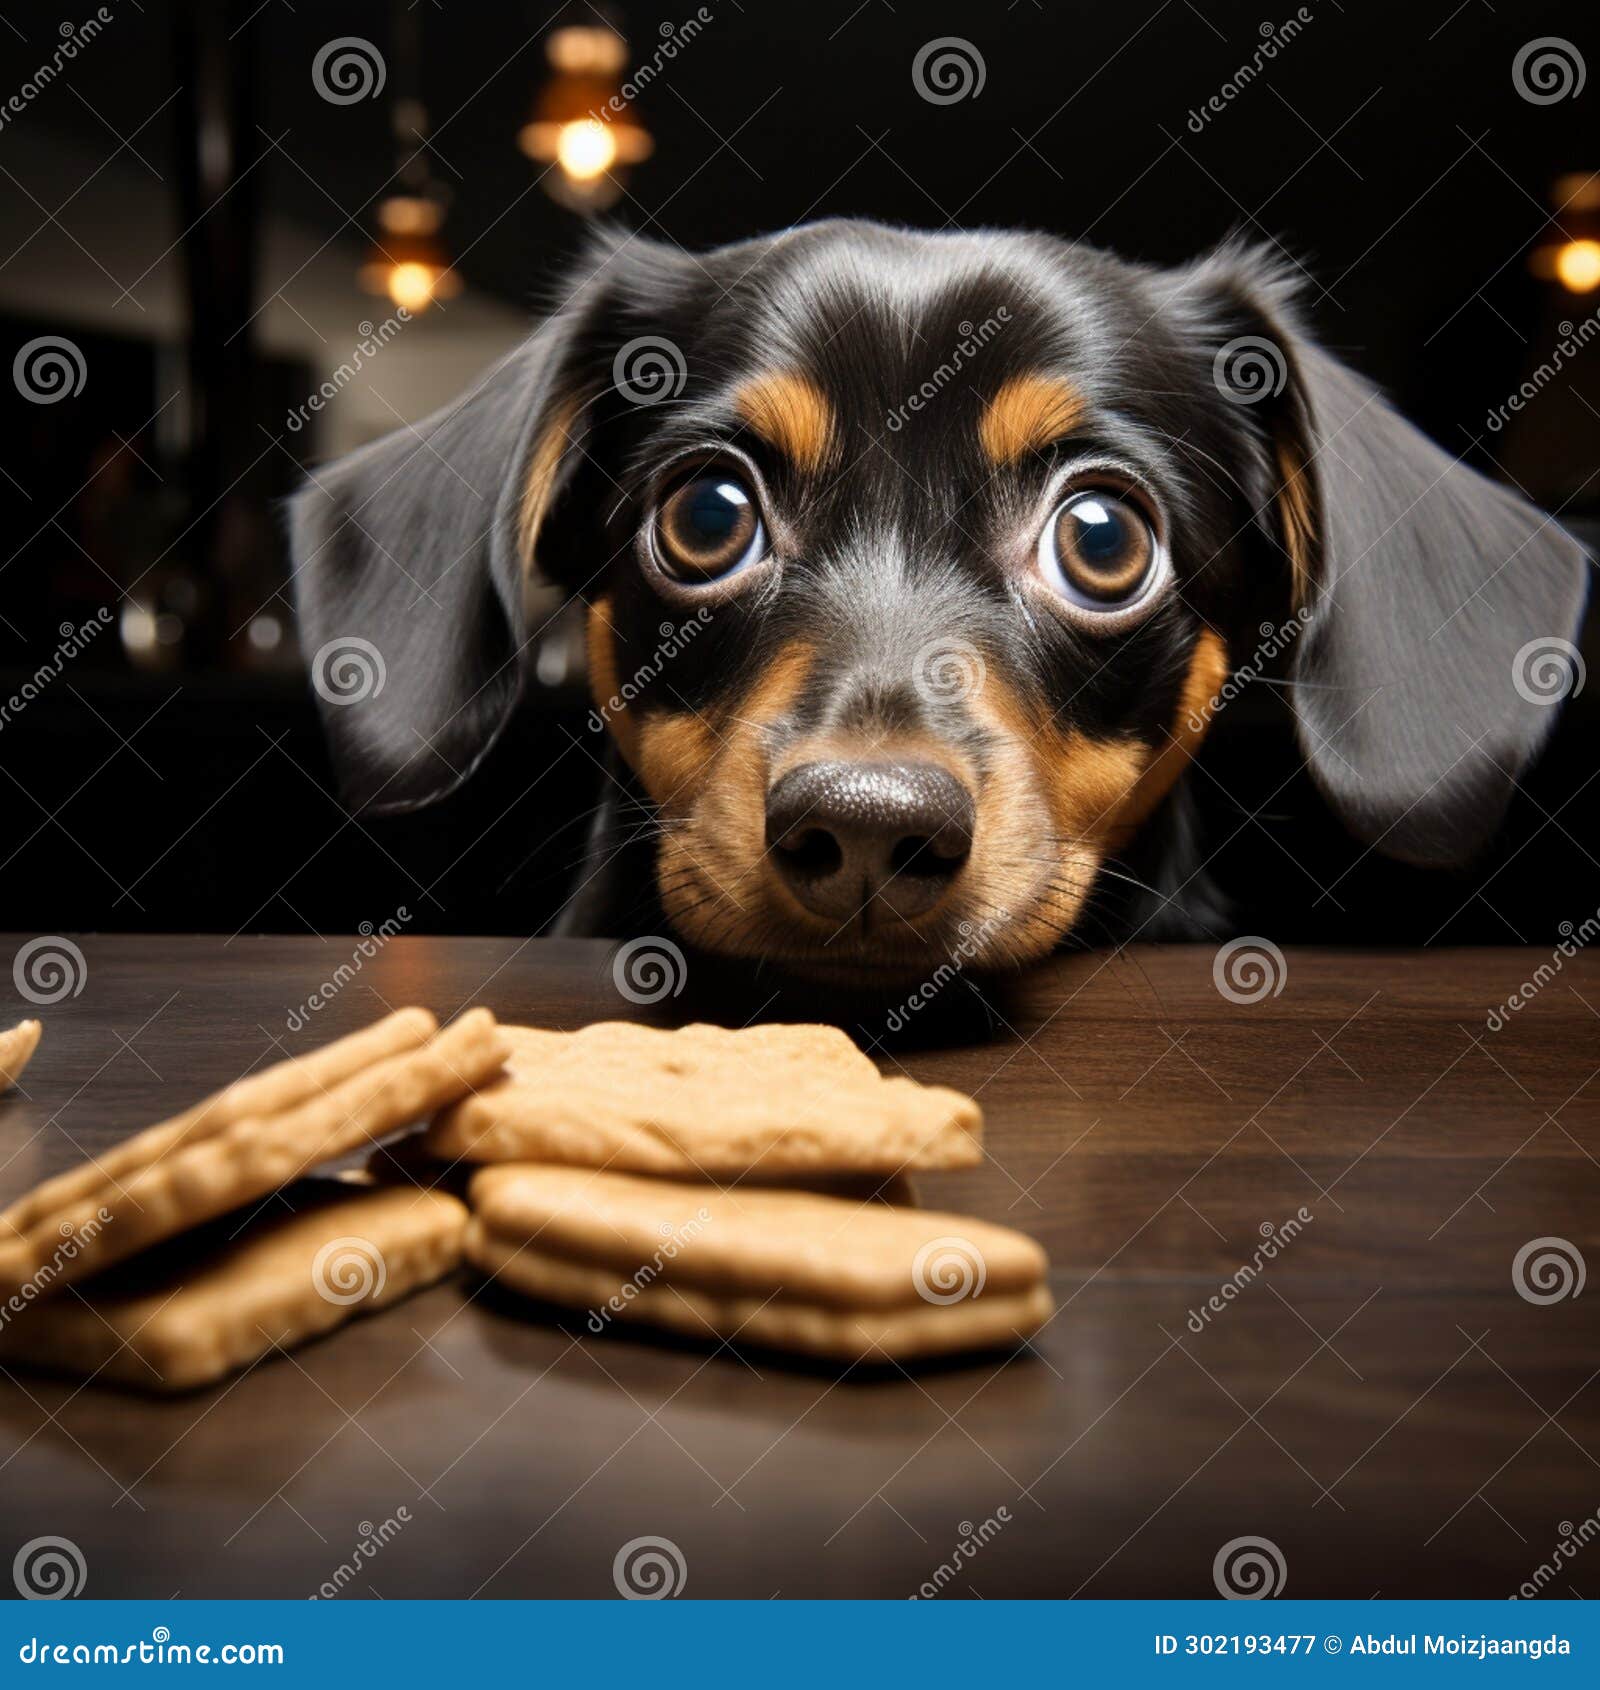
[[410, 561], [413, 557], [1437, 605]]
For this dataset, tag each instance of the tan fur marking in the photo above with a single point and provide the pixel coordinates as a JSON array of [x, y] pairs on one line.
[[674, 752], [736, 802], [790, 413], [711, 870], [1029, 412], [1208, 669], [1295, 505], [544, 461], [1048, 806], [778, 686], [605, 682]]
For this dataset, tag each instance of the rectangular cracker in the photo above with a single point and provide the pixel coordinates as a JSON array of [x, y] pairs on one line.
[[201, 1165], [790, 1268], [17, 1046], [780, 1323], [706, 1100], [269, 1092], [408, 1160], [201, 1306]]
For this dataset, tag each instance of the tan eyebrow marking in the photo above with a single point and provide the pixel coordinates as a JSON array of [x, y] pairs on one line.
[[789, 412], [1030, 411]]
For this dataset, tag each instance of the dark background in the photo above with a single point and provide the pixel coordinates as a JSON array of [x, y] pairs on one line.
[[1386, 150]]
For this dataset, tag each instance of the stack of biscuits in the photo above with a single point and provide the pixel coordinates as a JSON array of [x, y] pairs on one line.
[[744, 1186], [671, 1178], [199, 1245]]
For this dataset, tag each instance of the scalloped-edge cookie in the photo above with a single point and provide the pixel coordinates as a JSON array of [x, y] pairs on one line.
[[793, 1270], [201, 1306], [713, 1101], [243, 1143]]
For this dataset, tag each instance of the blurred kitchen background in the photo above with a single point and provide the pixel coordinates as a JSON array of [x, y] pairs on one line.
[[212, 213]]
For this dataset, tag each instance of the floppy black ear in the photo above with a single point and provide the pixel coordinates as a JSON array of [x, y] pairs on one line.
[[409, 564], [413, 557], [1441, 605]]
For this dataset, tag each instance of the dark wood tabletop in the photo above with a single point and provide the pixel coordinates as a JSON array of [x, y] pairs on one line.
[[1392, 1390]]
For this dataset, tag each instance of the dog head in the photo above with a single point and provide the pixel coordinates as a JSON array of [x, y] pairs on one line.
[[913, 568]]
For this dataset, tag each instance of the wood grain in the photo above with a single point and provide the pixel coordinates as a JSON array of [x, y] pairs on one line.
[[1378, 1400]]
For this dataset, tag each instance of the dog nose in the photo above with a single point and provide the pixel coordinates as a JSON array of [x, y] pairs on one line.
[[842, 834]]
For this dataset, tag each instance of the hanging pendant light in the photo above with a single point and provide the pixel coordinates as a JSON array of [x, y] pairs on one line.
[[408, 260], [1572, 254], [583, 123]]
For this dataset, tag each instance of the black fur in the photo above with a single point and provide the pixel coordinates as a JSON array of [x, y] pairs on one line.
[[1426, 580]]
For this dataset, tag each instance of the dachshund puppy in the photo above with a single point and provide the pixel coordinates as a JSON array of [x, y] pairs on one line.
[[914, 568]]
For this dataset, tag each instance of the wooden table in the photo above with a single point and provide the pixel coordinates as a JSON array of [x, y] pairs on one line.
[[1377, 1400]]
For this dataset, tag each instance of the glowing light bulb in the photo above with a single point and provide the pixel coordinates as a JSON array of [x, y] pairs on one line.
[[412, 285], [586, 149], [1578, 266]]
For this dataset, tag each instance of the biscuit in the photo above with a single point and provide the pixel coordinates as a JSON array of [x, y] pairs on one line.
[[16, 1047], [790, 1269], [706, 1100], [408, 1160], [243, 1143], [200, 1306], [271, 1091]]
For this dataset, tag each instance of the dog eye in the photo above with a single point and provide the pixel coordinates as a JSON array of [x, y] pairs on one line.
[[1098, 550], [708, 528]]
